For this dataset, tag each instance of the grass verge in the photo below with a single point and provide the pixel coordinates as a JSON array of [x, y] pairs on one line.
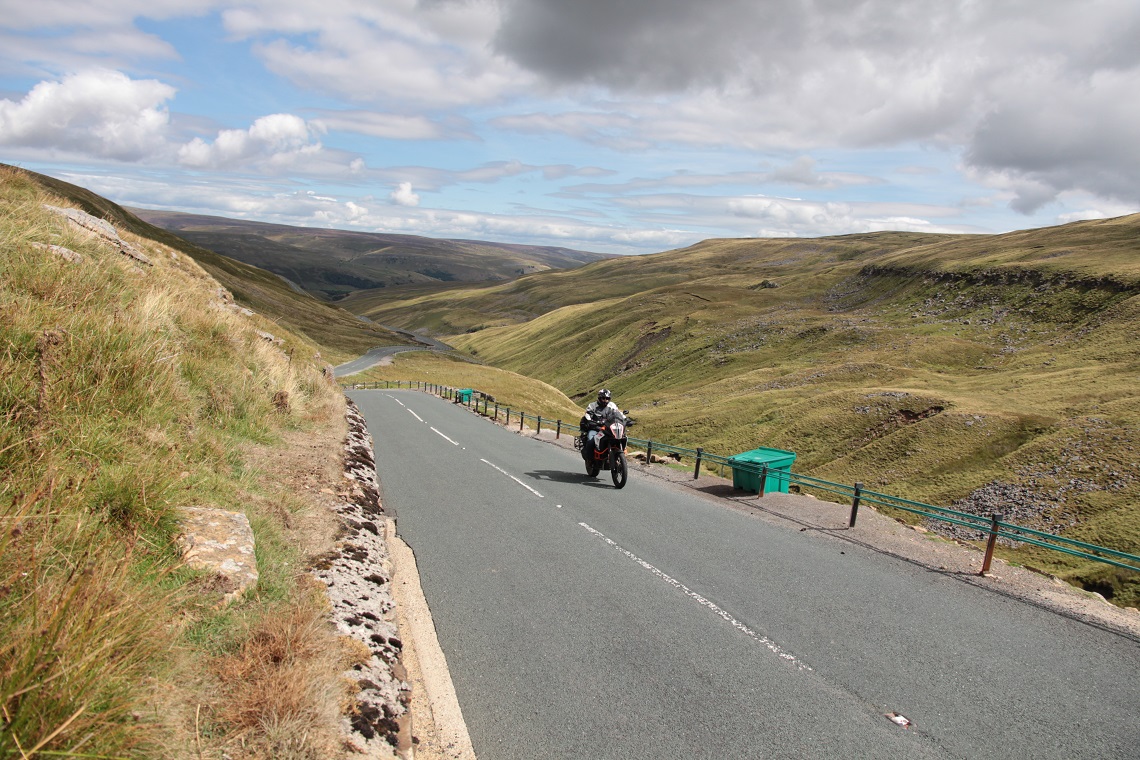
[[128, 391]]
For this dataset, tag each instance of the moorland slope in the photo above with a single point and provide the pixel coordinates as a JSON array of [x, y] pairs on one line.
[[341, 334], [333, 263], [988, 372], [132, 386]]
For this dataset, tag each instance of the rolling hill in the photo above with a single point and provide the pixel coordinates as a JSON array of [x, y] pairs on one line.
[[987, 372], [333, 263], [131, 390], [341, 334]]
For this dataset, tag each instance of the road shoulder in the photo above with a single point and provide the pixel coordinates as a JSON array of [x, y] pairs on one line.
[[439, 731]]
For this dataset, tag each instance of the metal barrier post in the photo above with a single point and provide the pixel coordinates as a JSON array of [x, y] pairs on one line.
[[763, 481], [539, 424], [697, 469], [649, 452], [995, 518], [558, 430], [855, 504], [496, 411], [522, 418]]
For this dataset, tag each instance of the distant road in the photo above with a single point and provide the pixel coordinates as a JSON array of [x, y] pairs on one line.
[[580, 621], [374, 356]]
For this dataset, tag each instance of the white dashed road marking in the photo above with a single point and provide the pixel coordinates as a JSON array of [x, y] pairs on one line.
[[444, 437], [772, 646], [512, 477]]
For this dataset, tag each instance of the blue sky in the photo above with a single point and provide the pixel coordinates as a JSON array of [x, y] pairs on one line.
[[625, 126]]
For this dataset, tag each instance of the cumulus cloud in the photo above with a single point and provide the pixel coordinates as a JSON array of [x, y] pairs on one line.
[[403, 195], [101, 113], [657, 45], [1046, 95], [790, 217], [277, 139], [432, 54], [1076, 138]]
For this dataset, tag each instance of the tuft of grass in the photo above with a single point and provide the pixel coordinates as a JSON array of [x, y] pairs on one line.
[[282, 689]]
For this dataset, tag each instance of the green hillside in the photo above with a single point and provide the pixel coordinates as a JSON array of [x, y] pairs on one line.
[[129, 390], [341, 334], [987, 372], [333, 264]]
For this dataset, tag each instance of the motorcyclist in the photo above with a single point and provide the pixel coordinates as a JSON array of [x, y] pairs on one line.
[[599, 413]]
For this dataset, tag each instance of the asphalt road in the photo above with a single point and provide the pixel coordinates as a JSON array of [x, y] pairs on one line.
[[372, 358], [584, 622], [375, 355]]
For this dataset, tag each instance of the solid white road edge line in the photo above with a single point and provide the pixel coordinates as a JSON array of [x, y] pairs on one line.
[[512, 477], [772, 646], [444, 437]]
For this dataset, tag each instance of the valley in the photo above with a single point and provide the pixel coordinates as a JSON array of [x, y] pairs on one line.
[[938, 368], [145, 375]]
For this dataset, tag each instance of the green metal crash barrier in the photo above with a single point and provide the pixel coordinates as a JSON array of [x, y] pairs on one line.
[[764, 474]]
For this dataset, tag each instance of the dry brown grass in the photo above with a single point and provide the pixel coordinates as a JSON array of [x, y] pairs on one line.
[[282, 692]]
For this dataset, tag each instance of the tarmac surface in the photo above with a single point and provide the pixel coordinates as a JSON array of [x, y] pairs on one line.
[[680, 618]]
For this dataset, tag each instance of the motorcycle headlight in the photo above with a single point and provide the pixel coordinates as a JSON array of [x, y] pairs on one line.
[[618, 430]]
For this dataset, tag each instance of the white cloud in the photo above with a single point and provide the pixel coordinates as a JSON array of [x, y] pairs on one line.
[[277, 140], [1047, 94], [403, 195], [1044, 142], [100, 113], [387, 126], [18, 14], [789, 217], [614, 130], [400, 53], [800, 172]]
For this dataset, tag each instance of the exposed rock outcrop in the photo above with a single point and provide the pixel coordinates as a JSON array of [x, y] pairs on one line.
[[220, 542], [102, 228], [357, 575]]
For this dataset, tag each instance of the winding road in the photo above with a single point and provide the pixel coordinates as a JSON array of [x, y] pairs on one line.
[[379, 353], [580, 621]]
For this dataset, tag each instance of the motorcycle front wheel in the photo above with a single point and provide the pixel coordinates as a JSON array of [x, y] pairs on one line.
[[593, 467], [617, 469]]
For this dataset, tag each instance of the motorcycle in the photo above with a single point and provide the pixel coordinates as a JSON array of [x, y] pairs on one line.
[[608, 451]]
